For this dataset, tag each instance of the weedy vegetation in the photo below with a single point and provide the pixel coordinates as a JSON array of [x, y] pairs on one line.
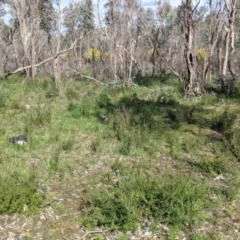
[[122, 157]]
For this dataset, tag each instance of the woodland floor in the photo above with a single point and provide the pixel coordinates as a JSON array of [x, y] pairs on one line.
[[88, 144]]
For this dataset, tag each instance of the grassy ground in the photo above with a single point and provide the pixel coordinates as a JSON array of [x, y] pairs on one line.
[[118, 163]]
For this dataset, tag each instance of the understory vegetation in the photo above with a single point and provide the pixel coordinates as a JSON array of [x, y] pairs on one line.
[[114, 159]]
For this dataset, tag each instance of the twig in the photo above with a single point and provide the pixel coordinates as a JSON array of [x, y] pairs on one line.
[[91, 78], [173, 71], [92, 232]]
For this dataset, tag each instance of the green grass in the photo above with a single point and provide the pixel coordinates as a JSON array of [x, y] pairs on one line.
[[155, 157]]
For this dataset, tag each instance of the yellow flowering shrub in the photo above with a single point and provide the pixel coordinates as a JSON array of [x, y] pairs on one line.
[[201, 54], [93, 52]]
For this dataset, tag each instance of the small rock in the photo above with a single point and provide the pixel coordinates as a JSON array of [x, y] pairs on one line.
[[50, 95], [25, 207], [27, 106], [147, 234], [219, 177], [165, 228], [20, 140], [42, 217], [102, 118]]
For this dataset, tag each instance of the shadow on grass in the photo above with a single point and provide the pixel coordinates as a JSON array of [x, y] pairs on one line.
[[136, 122], [153, 80], [165, 114]]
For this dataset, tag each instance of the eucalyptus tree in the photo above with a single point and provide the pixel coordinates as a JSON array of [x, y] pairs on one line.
[[146, 34], [73, 25], [173, 28], [162, 39], [88, 25], [124, 21], [88, 16], [213, 24], [150, 33], [194, 84], [29, 22], [6, 35], [112, 22], [78, 19], [78, 15], [229, 44]]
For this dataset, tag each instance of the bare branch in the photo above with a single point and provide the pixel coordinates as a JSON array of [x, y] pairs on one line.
[[173, 71], [91, 78], [196, 6], [52, 57]]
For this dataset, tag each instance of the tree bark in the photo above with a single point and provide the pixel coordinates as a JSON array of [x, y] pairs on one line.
[[228, 83], [193, 83]]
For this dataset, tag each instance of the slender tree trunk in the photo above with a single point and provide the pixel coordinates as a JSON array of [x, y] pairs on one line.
[[232, 46], [33, 62], [228, 83], [225, 63], [56, 63], [215, 28], [194, 86]]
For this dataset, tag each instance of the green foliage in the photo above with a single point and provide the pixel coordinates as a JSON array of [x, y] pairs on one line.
[[198, 237], [40, 116], [122, 237], [229, 190], [54, 159], [179, 200], [167, 98], [172, 234], [67, 144], [236, 90], [74, 109], [103, 100], [209, 99], [97, 237], [3, 98], [133, 194], [18, 193], [152, 124], [72, 93], [96, 144], [111, 211], [125, 146], [224, 122], [43, 83], [134, 121], [85, 109], [212, 166]]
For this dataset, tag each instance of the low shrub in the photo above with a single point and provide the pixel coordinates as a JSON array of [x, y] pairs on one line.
[[132, 194], [18, 193]]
